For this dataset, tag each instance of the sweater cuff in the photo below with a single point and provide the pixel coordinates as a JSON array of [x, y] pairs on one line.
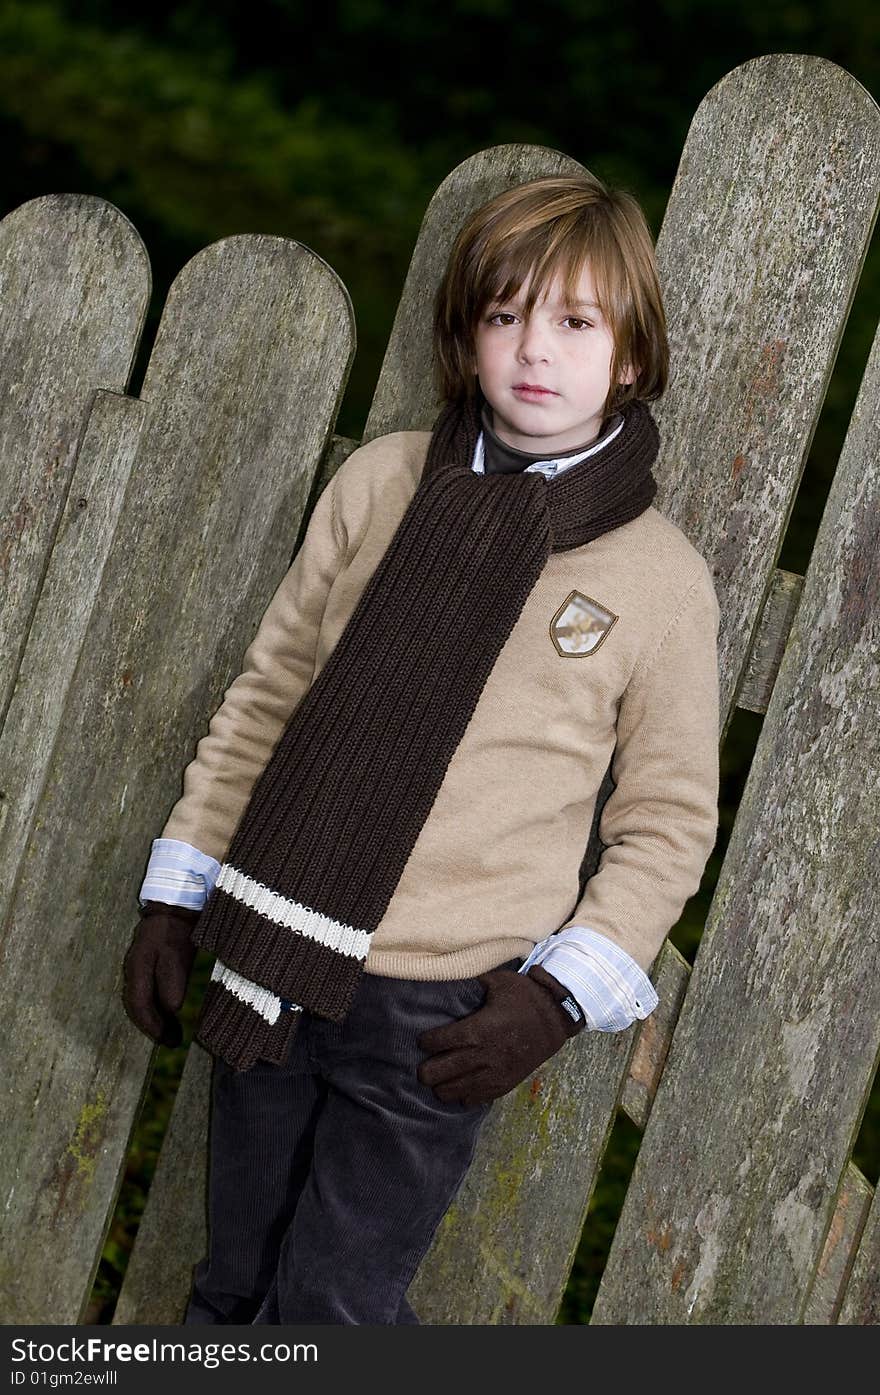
[[179, 875], [607, 983]]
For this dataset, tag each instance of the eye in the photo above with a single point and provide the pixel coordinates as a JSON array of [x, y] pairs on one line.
[[501, 314], [585, 323]]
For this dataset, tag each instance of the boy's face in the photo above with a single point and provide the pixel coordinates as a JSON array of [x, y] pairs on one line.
[[565, 349]]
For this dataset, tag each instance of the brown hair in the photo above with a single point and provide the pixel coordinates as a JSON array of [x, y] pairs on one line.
[[550, 225]]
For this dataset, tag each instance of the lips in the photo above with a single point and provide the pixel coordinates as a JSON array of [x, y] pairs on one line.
[[533, 390]]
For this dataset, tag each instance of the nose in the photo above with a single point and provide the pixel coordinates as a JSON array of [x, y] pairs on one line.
[[532, 343]]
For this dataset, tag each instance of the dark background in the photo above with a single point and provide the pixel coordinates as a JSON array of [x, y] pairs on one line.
[[334, 123]]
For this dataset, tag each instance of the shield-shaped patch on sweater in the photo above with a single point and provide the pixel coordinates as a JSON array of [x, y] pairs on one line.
[[580, 624]]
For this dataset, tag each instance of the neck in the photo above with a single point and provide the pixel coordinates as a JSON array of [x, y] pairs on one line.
[[503, 458]]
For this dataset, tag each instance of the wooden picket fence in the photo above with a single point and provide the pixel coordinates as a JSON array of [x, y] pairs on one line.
[[123, 523]]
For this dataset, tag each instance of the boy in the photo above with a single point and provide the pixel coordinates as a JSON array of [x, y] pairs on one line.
[[381, 834]]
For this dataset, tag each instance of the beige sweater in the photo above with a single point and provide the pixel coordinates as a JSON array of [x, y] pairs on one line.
[[495, 866]]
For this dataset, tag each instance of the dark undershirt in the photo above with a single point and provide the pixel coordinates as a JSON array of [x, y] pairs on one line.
[[500, 458]]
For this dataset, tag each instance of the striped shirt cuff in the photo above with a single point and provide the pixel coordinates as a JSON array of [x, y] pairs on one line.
[[606, 981], [179, 875]]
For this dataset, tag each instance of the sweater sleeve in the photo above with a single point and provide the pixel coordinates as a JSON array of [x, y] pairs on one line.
[[660, 822], [276, 672]]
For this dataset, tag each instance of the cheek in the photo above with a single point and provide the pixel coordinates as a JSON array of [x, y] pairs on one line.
[[595, 358], [606, 351], [486, 356]]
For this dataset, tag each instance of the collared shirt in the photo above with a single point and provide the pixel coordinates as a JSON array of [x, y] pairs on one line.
[[610, 987], [509, 459]]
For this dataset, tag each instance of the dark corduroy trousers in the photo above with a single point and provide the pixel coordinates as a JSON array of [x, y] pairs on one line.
[[330, 1173]]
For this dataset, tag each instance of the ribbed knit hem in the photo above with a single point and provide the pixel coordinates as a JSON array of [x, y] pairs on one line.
[[461, 963], [231, 1029]]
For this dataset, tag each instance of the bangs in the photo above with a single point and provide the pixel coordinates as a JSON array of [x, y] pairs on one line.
[[543, 254]]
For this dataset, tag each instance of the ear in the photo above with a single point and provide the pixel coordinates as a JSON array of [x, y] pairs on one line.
[[628, 374]]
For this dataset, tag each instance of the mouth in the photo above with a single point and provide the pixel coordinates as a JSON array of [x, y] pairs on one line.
[[533, 391]]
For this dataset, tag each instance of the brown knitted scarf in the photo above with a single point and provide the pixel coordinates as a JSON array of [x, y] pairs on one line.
[[335, 813]]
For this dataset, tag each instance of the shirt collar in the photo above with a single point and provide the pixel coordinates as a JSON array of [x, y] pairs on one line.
[[518, 460]]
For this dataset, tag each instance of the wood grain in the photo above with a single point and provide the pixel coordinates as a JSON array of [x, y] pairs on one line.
[[152, 593], [777, 1042]]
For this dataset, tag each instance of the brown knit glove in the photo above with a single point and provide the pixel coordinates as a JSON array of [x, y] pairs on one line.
[[484, 1055], [157, 968]]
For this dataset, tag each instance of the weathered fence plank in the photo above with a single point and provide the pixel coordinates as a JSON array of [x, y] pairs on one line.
[[242, 388], [861, 1302], [172, 1229], [760, 250], [769, 641], [752, 1127], [835, 1276], [70, 592], [74, 290], [654, 1036]]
